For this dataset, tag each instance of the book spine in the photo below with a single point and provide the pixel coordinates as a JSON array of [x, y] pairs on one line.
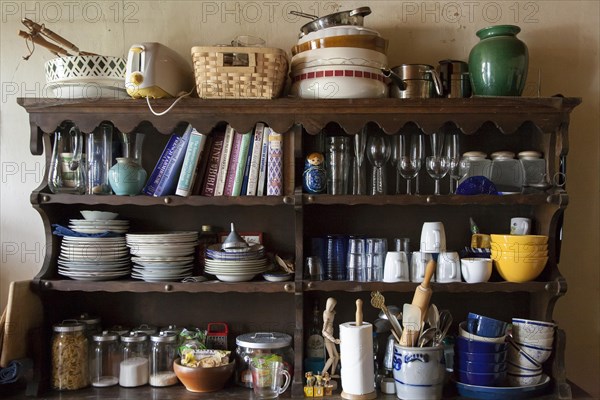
[[262, 173], [189, 169], [168, 182], [233, 163], [202, 166], [275, 165], [241, 166], [161, 165], [224, 161], [212, 169], [247, 166], [255, 162]]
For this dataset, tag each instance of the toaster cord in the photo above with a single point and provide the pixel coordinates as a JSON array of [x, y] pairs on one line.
[[158, 114]]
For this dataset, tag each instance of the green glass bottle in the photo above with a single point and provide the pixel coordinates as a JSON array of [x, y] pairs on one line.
[[498, 63]]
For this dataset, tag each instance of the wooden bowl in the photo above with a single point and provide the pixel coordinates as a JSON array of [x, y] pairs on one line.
[[201, 380]]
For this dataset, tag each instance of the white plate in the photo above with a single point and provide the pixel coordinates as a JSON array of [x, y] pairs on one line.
[[88, 240], [158, 252], [218, 263], [235, 272], [340, 30], [98, 230], [152, 279], [278, 277], [87, 270], [99, 221], [162, 259], [236, 278], [93, 215], [161, 264], [90, 91]]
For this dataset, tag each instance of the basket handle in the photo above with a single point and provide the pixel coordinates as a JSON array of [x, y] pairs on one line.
[[251, 68]]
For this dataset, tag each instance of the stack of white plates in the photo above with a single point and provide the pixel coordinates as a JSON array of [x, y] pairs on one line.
[[99, 226], [236, 265], [159, 257], [94, 259]]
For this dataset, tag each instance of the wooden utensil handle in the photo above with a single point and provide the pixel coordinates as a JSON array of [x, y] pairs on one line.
[[429, 270], [359, 313]]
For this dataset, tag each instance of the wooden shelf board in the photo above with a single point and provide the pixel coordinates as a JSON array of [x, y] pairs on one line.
[[409, 287], [426, 200]]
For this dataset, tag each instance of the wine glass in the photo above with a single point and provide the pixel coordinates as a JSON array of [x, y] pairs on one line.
[[417, 150], [409, 168], [458, 169], [437, 167], [396, 153], [378, 153], [452, 151]]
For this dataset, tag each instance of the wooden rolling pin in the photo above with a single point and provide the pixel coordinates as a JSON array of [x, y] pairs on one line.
[[420, 299]]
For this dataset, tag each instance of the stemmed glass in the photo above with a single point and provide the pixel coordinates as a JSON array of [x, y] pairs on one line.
[[395, 155], [458, 169], [417, 150], [378, 153], [409, 163], [452, 151], [437, 167]]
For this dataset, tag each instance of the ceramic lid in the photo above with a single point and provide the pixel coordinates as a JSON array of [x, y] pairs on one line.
[[502, 154], [475, 155], [530, 155]]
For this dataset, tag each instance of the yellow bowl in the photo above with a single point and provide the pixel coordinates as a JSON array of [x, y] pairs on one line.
[[518, 247], [520, 255], [201, 379], [520, 271], [520, 239]]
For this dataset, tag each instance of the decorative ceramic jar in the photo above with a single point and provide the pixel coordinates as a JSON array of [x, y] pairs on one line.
[[126, 177], [498, 63]]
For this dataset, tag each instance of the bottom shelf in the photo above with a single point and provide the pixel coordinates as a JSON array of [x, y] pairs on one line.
[[233, 393]]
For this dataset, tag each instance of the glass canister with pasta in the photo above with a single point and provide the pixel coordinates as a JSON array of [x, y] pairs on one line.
[[69, 356]]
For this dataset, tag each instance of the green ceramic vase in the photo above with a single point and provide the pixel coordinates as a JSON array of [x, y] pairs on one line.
[[126, 177], [498, 63]]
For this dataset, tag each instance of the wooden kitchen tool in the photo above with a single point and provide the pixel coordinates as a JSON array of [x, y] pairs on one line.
[[359, 313], [420, 299], [37, 33]]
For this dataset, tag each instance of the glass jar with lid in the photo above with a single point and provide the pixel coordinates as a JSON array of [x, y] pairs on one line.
[[507, 173], [262, 345], [478, 165], [105, 359], [70, 368], [134, 368], [534, 167], [92, 324], [146, 329], [163, 351]]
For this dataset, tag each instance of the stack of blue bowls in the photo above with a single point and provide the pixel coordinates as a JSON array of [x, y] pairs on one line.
[[480, 351]]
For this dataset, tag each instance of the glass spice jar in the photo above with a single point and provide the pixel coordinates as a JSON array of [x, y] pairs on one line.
[[105, 359], [163, 351], [70, 370]]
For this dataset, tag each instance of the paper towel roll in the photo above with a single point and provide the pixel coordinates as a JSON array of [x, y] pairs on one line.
[[356, 358]]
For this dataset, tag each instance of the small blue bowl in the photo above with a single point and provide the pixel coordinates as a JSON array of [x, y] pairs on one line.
[[491, 379], [475, 346], [485, 326], [482, 357], [485, 368]]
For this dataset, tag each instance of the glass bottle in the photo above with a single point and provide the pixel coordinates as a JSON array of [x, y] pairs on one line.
[[163, 351], [66, 173], [208, 236], [315, 345], [70, 370], [134, 366], [105, 359]]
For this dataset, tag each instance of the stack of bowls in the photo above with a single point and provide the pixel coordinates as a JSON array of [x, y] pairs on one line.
[[519, 258], [339, 62], [481, 351], [530, 347]]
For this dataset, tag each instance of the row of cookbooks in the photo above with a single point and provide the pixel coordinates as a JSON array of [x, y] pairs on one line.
[[223, 163]]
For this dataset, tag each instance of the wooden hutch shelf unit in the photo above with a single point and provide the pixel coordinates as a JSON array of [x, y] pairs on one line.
[[290, 221]]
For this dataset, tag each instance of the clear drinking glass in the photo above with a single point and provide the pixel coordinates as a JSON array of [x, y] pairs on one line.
[[376, 249], [409, 168], [99, 159], [458, 169], [359, 172], [355, 261], [378, 153], [452, 151], [338, 164], [417, 151], [437, 168], [396, 153]]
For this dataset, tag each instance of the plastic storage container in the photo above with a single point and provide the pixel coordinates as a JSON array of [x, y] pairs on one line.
[[261, 344]]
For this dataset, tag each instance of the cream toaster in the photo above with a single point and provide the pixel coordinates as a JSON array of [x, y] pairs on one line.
[[156, 71]]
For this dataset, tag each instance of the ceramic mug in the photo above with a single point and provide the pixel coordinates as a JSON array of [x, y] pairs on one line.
[[418, 263], [475, 270], [448, 267], [520, 226], [268, 379], [419, 372], [433, 237], [396, 267]]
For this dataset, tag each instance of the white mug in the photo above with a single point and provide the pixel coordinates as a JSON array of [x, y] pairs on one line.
[[520, 226], [433, 237], [475, 270], [448, 267], [417, 267], [396, 267]]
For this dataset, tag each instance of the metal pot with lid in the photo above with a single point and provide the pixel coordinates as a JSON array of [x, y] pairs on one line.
[[262, 344], [349, 17], [414, 81]]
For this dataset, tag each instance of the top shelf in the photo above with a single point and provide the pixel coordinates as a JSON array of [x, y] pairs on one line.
[[507, 113]]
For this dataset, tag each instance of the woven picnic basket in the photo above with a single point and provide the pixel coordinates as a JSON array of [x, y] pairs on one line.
[[217, 78]]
